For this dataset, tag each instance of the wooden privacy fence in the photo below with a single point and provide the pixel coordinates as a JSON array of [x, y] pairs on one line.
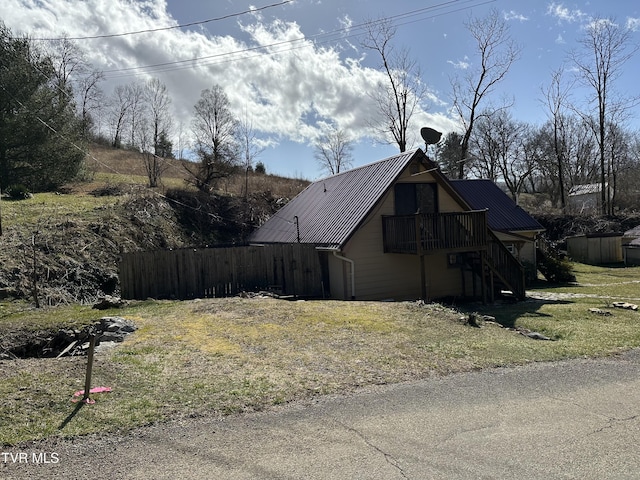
[[289, 269]]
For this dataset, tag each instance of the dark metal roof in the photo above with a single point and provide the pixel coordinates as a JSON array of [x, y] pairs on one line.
[[328, 211], [504, 215]]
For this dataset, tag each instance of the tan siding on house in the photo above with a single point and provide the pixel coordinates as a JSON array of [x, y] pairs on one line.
[[382, 275], [379, 275], [528, 252], [442, 280], [525, 246]]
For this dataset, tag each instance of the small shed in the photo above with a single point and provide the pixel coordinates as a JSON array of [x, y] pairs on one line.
[[595, 248], [586, 198], [631, 246]]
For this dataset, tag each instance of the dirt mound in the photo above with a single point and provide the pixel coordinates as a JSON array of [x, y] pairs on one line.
[[74, 258]]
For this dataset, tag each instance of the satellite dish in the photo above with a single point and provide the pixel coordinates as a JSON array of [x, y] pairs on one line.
[[430, 136]]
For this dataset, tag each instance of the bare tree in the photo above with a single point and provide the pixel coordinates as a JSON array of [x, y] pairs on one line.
[[333, 151], [249, 148], [68, 60], [497, 52], [628, 186], [485, 148], [621, 165], [157, 101], [120, 105], [75, 80], [181, 139], [154, 164], [606, 48], [518, 165], [215, 129], [500, 147], [556, 98], [136, 114], [398, 98], [90, 99], [569, 140]]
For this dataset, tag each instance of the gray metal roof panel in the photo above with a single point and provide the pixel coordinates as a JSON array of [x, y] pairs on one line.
[[504, 215], [634, 232], [329, 210]]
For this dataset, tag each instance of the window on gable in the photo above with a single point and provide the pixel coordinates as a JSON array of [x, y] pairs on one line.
[[411, 198]]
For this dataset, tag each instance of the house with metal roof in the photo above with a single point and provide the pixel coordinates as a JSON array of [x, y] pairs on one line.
[[513, 226], [399, 229]]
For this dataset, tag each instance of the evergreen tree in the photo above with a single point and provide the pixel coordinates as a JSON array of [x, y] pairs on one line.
[[39, 130]]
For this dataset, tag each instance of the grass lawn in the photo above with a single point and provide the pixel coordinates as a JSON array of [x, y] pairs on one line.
[[223, 356]]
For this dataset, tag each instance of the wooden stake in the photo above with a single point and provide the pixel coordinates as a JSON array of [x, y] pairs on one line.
[[87, 381]]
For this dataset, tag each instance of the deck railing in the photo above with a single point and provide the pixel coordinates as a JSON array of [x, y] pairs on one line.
[[425, 233]]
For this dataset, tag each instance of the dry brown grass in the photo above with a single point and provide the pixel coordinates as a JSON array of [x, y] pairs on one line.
[[220, 356], [118, 166]]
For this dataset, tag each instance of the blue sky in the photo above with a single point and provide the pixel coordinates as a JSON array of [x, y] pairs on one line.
[[295, 66]]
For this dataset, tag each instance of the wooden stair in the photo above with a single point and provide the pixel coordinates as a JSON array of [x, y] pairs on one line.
[[499, 270]]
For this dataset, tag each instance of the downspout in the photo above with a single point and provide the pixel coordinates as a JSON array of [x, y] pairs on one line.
[[353, 272]]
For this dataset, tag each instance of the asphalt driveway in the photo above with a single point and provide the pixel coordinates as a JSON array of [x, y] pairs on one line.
[[577, 419]]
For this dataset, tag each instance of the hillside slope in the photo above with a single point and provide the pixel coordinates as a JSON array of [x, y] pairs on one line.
[[65, 247]]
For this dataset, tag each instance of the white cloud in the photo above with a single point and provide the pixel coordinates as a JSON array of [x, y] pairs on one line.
[[599, 23], [560, 39], [460, 64], [285, 81], [633, 24], [346, 22], [513, 15], [562, 13]]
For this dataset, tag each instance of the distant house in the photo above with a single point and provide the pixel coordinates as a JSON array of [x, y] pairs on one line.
[[586, 198], [399, 229]]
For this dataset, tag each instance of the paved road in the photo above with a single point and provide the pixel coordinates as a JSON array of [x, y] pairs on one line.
[[578, 419]]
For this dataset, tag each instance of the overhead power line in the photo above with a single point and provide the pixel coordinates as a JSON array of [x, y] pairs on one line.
[[425, 13], [173, 27]]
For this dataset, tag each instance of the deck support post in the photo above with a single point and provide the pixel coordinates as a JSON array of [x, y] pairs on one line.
[[423, 274], [483, 280]]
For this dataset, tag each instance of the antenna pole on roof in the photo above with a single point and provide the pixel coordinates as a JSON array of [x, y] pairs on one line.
[[297, 227]]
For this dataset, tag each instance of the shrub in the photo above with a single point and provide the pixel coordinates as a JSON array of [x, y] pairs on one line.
[[554, 268], [18, 192], [260, 168]]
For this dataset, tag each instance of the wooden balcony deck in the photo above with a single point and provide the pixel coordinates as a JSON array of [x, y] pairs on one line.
[[429, 233]]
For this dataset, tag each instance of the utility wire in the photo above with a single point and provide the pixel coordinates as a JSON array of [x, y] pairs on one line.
[[184, 25], [297, 43], [328, 36]]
